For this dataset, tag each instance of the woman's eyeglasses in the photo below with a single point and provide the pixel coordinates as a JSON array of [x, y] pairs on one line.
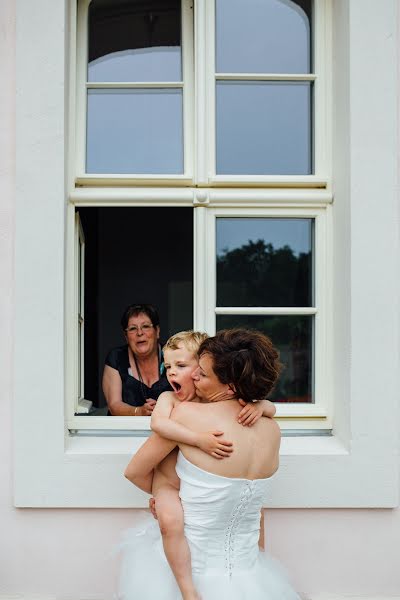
[[144, 328]]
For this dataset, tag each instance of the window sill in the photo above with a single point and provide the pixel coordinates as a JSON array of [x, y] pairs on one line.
[[128, 444]]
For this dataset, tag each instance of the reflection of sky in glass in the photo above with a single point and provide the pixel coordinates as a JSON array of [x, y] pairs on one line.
[[263, 128], [143, 64], [134, 131], [268, 36], [234, 233]]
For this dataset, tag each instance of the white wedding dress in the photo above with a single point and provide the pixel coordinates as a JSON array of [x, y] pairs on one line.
[[222, 523]]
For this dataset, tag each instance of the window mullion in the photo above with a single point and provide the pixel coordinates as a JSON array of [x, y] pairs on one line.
[[204, 279], [322, 103], [188, 87], [265, 310], [203, 90], [81, 94], [265, 77], [126, 85]]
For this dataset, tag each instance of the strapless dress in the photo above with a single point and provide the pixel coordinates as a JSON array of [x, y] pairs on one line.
[[222, 525]]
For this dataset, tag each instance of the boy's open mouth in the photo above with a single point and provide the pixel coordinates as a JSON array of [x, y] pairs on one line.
[[176, 386]]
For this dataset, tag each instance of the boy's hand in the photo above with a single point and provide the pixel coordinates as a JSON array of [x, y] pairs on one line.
[[210, 442], [250, 413]]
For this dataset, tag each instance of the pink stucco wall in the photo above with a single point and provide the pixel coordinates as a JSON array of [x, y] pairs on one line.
[[67, 553]]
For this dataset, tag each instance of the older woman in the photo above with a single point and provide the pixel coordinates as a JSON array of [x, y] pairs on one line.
[[221, 498], [133, 375]]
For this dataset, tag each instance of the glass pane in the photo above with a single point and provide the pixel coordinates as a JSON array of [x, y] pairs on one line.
[[134, 131], [263, 128], [293, 336], [131, 40], [264, 262], [263, 36]]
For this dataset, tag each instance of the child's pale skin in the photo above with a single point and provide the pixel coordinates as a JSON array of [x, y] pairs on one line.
[[180, 364]]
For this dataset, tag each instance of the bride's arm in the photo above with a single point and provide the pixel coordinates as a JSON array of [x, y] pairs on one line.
[[140, 469]]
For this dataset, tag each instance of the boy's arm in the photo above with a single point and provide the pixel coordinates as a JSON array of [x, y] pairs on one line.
[[252, 411], [140, 469], [269, 408], [208, 441]]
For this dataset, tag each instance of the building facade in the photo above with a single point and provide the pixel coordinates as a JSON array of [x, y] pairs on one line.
[[296, 155]]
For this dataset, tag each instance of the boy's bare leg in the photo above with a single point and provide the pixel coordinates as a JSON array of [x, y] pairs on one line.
[[170, 518], [261, 539]]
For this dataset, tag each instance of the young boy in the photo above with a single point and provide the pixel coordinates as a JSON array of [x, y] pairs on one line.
[[180, 358]]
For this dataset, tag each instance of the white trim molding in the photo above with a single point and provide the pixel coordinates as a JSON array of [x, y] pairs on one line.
[[303, 596]]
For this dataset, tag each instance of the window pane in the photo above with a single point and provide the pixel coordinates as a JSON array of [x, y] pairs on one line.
[[127, 260], [130, 40], [134, 131], [263, 36], [293, 336], [264, 262], [263, 128]]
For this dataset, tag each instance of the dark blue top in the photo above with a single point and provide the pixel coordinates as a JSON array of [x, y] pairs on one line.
[[135, 392]]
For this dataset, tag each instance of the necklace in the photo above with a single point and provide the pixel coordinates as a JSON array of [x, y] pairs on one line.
[[143, 386]]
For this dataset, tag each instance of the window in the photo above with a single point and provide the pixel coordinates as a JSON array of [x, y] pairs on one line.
[[134, 81], [159, 104], [133, 254], [265, 282], [269, 269], [264, 88]]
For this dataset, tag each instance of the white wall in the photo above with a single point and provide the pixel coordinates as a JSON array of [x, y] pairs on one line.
[[67, 553]]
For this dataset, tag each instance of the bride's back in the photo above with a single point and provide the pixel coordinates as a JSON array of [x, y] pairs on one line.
[[255, 449]]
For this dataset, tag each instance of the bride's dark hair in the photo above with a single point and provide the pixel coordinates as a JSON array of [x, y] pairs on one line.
[[244, 359]]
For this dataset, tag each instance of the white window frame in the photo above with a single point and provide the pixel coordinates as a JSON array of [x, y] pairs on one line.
[[80, 306], [358, 465], [82, 87], [321, 76], [316, 416]]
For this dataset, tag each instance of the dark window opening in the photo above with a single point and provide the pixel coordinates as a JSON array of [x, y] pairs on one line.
[[133, 255]]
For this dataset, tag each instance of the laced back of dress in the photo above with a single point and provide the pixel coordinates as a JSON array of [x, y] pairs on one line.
[[222, 518]]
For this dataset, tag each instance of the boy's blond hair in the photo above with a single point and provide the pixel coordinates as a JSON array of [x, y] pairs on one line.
[[191, 340]]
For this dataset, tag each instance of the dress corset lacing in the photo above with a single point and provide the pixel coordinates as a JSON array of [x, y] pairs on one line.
[[237, 512], [222, 518]]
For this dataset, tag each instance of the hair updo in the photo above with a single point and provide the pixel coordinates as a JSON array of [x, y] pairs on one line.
[[244, 359]]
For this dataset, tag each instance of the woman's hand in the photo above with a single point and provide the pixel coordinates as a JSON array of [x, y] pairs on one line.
[[211, 443], [250, 413], [146, 409]]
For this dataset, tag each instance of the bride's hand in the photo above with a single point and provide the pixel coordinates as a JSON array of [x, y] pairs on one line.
[[212, 443]]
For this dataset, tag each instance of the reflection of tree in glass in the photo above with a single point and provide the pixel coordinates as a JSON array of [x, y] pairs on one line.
[[257, 274], [292, 335]]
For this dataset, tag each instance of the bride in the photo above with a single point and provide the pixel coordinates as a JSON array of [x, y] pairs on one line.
[[221, 499]]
